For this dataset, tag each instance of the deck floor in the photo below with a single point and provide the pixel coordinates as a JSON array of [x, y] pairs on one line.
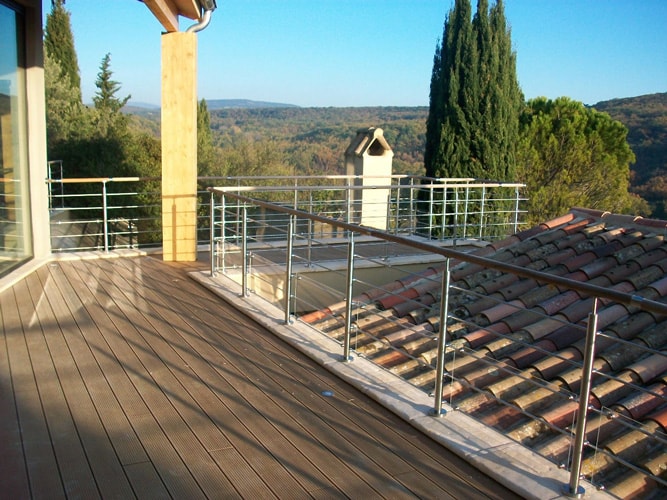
[[124, 378]]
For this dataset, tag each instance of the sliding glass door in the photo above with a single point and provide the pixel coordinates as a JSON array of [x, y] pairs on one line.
[[15, 231]]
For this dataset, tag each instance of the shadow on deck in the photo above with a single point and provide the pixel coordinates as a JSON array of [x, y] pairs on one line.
[[124, 378]]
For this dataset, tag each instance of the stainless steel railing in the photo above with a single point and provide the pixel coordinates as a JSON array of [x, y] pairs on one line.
[[290, 265], [125, 212]]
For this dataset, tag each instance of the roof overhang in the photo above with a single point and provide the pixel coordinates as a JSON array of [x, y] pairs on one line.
[[168, 11]]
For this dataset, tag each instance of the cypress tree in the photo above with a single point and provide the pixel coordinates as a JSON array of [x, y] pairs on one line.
[[475, 100], [59, 44], [505, 96], [205, 148], [447, 126]]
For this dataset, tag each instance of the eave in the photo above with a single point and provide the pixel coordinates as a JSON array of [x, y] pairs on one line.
[[168, 11]]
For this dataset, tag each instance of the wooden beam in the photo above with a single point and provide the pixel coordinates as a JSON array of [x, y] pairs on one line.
[[188, 8], [168, 11], [165, 12]]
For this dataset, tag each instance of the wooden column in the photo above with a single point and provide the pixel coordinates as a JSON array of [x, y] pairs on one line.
[[179, 146]]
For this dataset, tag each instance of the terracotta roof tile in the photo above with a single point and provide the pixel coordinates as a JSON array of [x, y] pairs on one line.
[[559, 221], [485, 335], [506, 332], [649, 368], [638, 405], [528, 355], [579, 261], [659, 417]]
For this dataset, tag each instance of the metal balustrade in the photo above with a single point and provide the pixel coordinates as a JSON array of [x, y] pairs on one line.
[[290, 264], [125, 212]]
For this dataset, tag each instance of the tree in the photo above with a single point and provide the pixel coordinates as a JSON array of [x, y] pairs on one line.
[[59, 45], [206, 155], [109, 117], [475, 99], [66, 116], [571, 155]]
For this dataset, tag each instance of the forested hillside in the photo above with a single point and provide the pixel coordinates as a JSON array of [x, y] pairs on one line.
[[313, 140], [307, 141], [646, 120]]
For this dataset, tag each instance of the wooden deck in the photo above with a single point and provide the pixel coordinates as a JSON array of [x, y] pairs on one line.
[[124, 378]]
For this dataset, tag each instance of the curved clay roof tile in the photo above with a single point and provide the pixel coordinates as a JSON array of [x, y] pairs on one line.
[[649, 368]]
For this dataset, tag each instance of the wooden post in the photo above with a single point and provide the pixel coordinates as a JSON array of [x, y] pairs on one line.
[[179, 146]]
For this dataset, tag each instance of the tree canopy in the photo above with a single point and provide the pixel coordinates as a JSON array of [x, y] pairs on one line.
[[571, 155], [59, 45]]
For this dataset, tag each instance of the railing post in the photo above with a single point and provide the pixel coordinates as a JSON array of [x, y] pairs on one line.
[[465, 213], [223, 232], [244, 251], [105, 216], [444, 212], [573, 489], [430, 211], [413, 214], [481, 212], [348, 297], [442, 341], [212, 251], [516, 209], [309, 249], [457, 202], [348, 201], [288, 268]]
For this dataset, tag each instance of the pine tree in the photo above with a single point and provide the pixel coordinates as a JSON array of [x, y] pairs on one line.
[[59, 44], [109, 106], [475, 100]]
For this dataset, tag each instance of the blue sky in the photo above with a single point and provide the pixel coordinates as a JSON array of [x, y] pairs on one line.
[[375, 52]]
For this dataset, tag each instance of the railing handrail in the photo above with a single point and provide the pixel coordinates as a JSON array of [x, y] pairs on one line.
[[342, 177], [539, 276], [449, 182], [228, 189], [82, 180]]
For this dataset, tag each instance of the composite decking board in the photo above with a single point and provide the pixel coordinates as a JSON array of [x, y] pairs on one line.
[[326, 435], [433, 459], [340, 455], [422, 488], [379, 453], [14, 477], [172, 470], [271, 470], [184, 422], [247, 482], [178, 415], [77, 477], [179, 381], [126, 445], [268, 437], [387, 459], [131, 322], [106, 343], [103, 461], [145, 481]]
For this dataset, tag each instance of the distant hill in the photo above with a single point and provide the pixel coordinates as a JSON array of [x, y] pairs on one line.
[[244, 104], [646, 119], [141, 108], [315, 138]]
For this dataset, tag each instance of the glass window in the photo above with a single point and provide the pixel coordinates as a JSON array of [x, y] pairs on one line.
[[15, 242]]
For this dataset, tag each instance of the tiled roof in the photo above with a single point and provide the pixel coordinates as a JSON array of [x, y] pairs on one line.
[[516, 345]]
